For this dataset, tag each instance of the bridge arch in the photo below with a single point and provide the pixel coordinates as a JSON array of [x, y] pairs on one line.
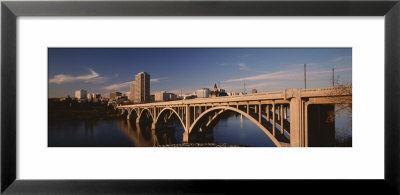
[[141, 112], [124, 111], [273, 139], [176, 113]]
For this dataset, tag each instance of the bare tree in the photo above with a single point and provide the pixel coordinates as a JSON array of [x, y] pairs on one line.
[[342, 91]]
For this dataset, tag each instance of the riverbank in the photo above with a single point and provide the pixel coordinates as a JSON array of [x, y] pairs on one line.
[[66, 111]]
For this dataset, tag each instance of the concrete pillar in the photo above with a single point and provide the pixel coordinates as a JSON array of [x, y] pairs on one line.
[[154, 113], [153, 125], [128, 116], [296, 118], [194, 113], [138, 120], [187, 121], [306, 125], [282, 118], [247, 107], [279, 113], [273, 119], [255, 109], [267, 110], [259, 113], [285, 112]]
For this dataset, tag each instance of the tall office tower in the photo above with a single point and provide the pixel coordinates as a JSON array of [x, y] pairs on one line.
[[132, 90], [142, 87]]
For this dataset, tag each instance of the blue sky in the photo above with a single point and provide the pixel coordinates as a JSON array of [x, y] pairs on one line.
[[103, 70]]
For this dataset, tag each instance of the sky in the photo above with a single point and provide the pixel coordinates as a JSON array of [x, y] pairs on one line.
[[104, 70]]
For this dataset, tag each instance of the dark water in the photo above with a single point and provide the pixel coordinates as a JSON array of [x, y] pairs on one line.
[[232, 129]]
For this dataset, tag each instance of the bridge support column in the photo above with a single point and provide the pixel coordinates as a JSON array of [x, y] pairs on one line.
[[259, 113], [285, 112], [153, 126], [128, 116], [187, 125], [279, 113], [282, 118], [247, 107], [297, 117], [267, 110], [273, 119], [194, 113], [138, 120], [154, 113]]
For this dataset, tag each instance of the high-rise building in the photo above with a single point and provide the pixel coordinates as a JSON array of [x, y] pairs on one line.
[[80, 94], [132, 90], [142, 88]]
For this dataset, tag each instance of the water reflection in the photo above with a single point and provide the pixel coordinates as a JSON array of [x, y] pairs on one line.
[[230, 128]]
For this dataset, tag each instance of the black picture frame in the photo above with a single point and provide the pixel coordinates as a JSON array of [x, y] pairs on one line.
[[11, 10]]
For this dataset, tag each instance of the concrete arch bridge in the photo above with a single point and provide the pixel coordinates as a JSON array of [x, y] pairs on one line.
[[291, 110]]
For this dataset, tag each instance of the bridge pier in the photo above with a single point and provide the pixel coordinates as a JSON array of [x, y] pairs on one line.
[[259, 113], [297, 116], [138, 120], [187, 124], [273, 119], [282, 119]]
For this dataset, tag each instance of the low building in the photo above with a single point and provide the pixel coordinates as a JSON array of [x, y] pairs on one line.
[[254, 91], [152, 98], [161, 96], [203, 93], [217, 92], [115, 95], [172, 97], [164, 96], [232, 94]]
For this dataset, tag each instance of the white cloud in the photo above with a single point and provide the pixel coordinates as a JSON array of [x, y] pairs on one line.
[[275, 75], [126, 84], [93, 77], [156, 80], [287, 75], [340, 58], [117, 86], [242, 66]]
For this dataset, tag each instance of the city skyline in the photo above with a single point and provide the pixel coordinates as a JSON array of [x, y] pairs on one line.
[[174, 70]]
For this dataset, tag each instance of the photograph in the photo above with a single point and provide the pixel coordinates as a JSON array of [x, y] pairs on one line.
[[199, 97]]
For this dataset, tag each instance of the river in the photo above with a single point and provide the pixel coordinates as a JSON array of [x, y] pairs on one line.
[[232, 129]]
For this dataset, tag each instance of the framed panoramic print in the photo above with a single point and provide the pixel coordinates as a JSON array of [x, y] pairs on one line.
[[171, 94]]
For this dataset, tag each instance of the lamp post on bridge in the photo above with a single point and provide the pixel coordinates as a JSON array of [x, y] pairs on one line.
[[305, 85]]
